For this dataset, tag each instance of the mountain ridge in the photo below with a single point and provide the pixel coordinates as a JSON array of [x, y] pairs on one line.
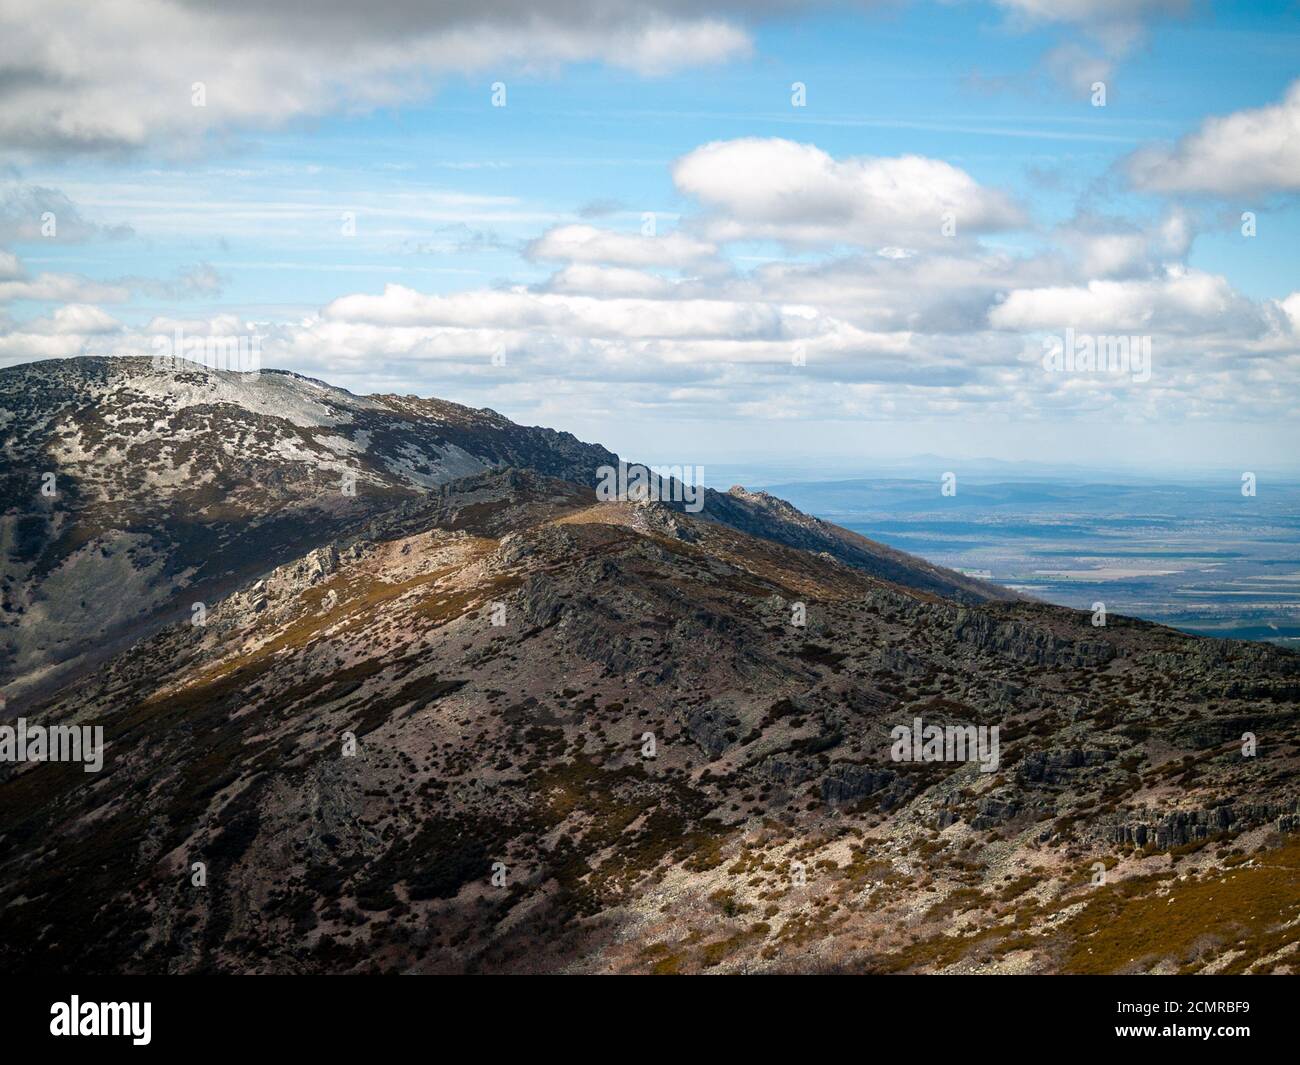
[[496, 725], [208, 477]]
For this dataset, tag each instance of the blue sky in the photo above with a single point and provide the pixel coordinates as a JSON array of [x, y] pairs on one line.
[[229, 218]]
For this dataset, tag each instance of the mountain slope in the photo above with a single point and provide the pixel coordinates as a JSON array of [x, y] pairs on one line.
[[170, 488], [503, 727]]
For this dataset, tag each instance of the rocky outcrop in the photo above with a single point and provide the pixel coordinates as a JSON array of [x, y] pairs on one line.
[[993, 811], [845, 783], [1060, 765], [658, 519], [899, 661], [782, 769], [712, 730], [1180, 827], [1211, 732], [1205, 656], [1012, 639]]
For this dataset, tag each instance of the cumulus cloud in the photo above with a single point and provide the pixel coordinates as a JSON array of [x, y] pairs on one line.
[[75, 319], [1291, 308], [1077, 68], [109, 78], [200, 280], [589, 244], [608, 281], [1183, 301], [1116, 25], [931, 293], [586, 316], [777, 189], [892, 321], [1246, 152], [1104, 248], [929, 334], [113, 78]]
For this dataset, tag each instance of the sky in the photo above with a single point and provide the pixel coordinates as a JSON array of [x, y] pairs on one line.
[[808, 235]]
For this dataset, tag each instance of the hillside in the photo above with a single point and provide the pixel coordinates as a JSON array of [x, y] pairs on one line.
[[471, 719]]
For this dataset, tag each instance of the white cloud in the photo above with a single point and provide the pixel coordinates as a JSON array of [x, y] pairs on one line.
[[926, 336], [1091, 10], [1291, 307], [588, 280], [75, 319], [1117, 23], [579, 316], [116, 77], [589, 244], [668, 46], [67, 288], [34, 212], [1183, 301], [1077, 68], [909, 325], [1109, 254], [1251, 151], [798, 194], [15, 284], [1104, 249]]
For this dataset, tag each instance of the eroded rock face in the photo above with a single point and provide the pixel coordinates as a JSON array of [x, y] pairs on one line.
[[994, 811], [850, 783], [1181, 827], [1058, 766], [1212, 732], [713, 730], [899, 661], [1028, 644]]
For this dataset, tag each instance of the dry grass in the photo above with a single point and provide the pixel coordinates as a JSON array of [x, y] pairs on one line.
[[1134, 923]]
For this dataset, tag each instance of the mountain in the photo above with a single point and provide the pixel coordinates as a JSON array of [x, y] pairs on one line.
[[171, 488], [470, 718]]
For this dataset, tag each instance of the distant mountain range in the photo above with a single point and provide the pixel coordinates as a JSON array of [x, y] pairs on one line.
[[385, 687]]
